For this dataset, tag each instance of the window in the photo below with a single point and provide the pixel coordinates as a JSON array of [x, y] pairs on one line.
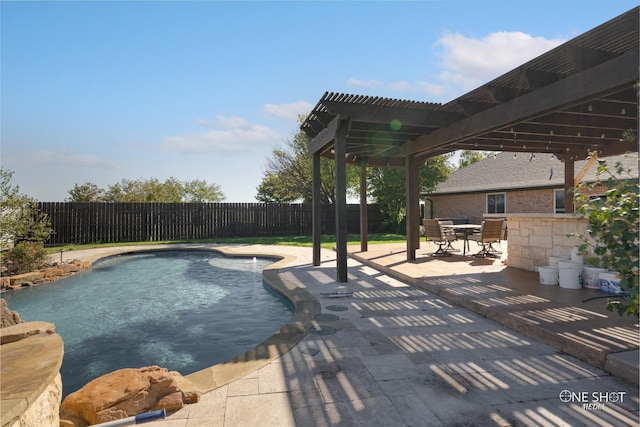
[[559, 201], [496, 203]]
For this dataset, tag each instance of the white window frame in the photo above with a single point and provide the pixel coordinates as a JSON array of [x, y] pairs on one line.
[[486, 209]]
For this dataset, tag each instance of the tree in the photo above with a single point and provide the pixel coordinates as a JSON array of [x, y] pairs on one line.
[[19, 216], [387, 187], [87, 192], [169, 191], [288, 174], [269, 190], [148, 190], [468, 157], [200, 191], [125, 191]]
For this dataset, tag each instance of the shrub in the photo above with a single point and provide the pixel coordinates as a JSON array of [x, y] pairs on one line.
[[613, 230], [25, 257], [19, 215]]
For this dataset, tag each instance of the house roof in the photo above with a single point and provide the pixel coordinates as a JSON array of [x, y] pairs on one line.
[[508, 171], [576, 98]]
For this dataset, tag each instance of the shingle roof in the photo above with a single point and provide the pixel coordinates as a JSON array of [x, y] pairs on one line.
[[506, 171]]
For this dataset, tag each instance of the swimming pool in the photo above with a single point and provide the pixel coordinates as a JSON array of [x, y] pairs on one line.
[[181, 309]]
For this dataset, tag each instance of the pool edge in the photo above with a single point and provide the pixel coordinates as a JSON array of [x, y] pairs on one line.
[[286, 338]]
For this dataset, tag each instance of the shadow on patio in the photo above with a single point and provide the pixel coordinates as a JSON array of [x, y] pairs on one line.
[[560, 317], [397, 355]]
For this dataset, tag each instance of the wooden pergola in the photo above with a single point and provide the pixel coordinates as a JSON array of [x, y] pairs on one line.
[[575, 99]]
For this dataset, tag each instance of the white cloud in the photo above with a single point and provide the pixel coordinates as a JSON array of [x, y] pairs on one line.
[[227, 135], [289, 111], [69, 158], [437, 90], [364, 83], [469, 62], [423, 87], [402, 86]]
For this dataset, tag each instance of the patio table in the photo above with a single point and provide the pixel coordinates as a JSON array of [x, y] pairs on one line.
[[467, 229]]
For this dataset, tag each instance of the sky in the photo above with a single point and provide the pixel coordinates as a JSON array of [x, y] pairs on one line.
[[101, 91]]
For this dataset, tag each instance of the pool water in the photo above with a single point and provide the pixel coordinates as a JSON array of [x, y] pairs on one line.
[[183, 310]]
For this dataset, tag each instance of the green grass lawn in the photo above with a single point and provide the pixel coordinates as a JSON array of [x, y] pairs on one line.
[[306, 241]]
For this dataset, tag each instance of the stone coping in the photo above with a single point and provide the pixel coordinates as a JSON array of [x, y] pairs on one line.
[[542, 215], [305, 307], [20, 331]]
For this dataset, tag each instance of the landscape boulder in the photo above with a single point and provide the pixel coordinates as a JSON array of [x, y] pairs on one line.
[[72, 267], [53, 272], [127, 392], [8, 317], [27, 279]]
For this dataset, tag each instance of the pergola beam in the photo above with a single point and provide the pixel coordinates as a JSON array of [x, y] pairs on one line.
[[324, 137], [601, 80], [385, 114]]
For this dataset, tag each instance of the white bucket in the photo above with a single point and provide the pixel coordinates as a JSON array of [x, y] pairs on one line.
[[591, 276], [569, 275], [610, 282], [576, 256], [553, 260], [548, 275]]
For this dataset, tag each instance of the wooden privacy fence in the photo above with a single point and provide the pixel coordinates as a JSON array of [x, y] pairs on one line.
[[77, 223]]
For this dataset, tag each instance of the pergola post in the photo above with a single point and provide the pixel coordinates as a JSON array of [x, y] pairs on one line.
[[364, 229], [416, 202], [341, 200], [569, 189], [412, 207], [316, 210]]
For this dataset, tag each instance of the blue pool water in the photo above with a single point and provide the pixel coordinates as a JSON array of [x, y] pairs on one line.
[[183, 310]]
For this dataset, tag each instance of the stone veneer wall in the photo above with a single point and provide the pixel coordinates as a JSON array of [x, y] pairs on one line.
[[533, 238], [45, 411]]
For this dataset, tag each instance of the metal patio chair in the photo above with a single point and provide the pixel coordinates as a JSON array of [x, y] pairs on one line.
[[490, 233], [433, 232]]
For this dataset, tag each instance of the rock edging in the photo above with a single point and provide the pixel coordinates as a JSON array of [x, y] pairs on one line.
[[53, 272]]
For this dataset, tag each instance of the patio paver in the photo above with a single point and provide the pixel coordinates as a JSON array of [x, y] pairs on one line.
[[406, 351]]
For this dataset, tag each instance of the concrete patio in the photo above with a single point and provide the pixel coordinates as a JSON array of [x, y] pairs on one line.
[[436, 342]]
